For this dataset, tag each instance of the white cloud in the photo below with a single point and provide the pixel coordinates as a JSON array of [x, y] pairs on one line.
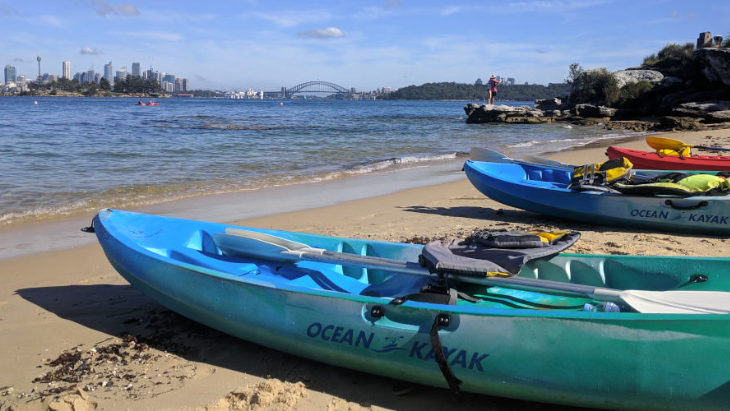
[[103, 8], [292, 18], [328, 33], [90, 51], [51, 21], [153, 35], [451, 10]]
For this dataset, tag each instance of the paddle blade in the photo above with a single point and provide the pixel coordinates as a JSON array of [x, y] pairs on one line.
[[485, 154], [678, 302], [253, 244], [659, 143], [546, 162]]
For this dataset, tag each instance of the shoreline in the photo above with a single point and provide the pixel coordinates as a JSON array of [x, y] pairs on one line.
[[72, 300], [59, 232]]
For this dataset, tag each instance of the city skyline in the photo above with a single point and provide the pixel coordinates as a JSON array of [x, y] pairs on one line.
[[390, 43]]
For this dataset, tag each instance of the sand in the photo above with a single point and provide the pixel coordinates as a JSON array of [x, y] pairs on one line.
[[76, 336]]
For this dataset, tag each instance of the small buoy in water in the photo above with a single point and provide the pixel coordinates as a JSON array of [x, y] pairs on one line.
[[281, 104], [35, 102]]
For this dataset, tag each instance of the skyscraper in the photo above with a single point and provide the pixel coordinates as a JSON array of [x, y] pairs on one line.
[[10, 74], [108, 73], [121, 74], [66, 70], [136, 70]]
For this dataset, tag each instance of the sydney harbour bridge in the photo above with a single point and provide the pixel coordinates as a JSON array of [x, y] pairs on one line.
[[309, 87]]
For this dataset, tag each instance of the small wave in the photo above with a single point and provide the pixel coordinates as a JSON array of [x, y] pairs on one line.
[[399, 161]]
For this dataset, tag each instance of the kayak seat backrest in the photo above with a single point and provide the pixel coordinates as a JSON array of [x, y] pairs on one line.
[[358, 273], [548, 175], [203, 241]]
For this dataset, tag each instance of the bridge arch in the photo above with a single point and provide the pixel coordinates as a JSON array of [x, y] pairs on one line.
[[316, 87]]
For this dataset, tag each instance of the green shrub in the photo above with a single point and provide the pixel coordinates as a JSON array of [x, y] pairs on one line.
[[632, 94], [595, 87], [673, 60]]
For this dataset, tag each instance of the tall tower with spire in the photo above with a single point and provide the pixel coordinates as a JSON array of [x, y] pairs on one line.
[[39, 66]]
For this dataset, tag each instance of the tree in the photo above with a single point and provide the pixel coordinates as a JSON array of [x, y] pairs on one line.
[[104, 84], [92, 89], [597, 86], [574, 70]]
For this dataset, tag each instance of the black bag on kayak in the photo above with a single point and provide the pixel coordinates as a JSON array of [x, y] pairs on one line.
[[590, 176], [494, 253]]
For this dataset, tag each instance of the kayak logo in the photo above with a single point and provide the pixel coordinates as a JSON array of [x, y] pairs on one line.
[[690, 217], [708, 218], [471, 360], [662, 215]]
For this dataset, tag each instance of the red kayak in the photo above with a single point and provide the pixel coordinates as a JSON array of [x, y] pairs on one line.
[[650, 160], [148, 104]]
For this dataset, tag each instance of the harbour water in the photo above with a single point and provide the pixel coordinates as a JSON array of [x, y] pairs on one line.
[[70, 156]]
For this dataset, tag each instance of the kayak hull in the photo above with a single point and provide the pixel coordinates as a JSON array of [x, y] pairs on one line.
[[651, 160], [591, 359], [543, 189]]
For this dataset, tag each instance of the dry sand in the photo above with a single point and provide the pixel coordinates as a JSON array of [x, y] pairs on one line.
[[75, 335]]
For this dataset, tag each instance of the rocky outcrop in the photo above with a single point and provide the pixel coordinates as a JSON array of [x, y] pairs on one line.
[[624, 77], [490, 113], [715, 64], [549, 104], [688, 116], [693, 94], [710, 111]]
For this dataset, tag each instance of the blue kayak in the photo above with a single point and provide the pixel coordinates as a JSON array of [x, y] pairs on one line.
[[544, 189], [380, 311]]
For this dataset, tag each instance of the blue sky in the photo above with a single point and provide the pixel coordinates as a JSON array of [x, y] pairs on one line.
[[236, 45]]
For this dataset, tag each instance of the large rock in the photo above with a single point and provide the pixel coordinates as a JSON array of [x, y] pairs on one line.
[[715, 64], [487, 113], [712, 111], [549, 104], [589, 110], [681, 123], [624, 77]]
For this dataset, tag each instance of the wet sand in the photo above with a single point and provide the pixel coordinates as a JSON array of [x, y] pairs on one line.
[[75, 335]]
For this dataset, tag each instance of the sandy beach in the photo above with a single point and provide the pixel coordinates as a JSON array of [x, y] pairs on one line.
[[68, 312]]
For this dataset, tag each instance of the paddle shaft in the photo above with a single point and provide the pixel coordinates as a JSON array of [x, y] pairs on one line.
[[260, 245], [712, 148]]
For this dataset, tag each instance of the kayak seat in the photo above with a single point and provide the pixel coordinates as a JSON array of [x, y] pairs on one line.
[[311, 274], [548, 175]]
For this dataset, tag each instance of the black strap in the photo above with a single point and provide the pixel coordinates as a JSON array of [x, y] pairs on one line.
[[443, 321]]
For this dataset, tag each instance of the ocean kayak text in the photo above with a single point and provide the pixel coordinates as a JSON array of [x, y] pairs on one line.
[[692, 217], [467, 359]]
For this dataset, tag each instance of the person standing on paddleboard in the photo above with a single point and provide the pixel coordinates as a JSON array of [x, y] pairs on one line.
[[492, 85]]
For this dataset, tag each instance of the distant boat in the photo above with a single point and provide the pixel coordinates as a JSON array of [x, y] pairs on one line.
[[148, 104]]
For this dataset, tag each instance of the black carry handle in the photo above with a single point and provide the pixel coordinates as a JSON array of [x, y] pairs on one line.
[[692, 207]]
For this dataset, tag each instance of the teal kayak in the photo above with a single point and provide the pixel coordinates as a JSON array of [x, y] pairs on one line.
[[371, 306]]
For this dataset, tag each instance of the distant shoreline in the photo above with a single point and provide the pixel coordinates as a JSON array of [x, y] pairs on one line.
[[81, 95]]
